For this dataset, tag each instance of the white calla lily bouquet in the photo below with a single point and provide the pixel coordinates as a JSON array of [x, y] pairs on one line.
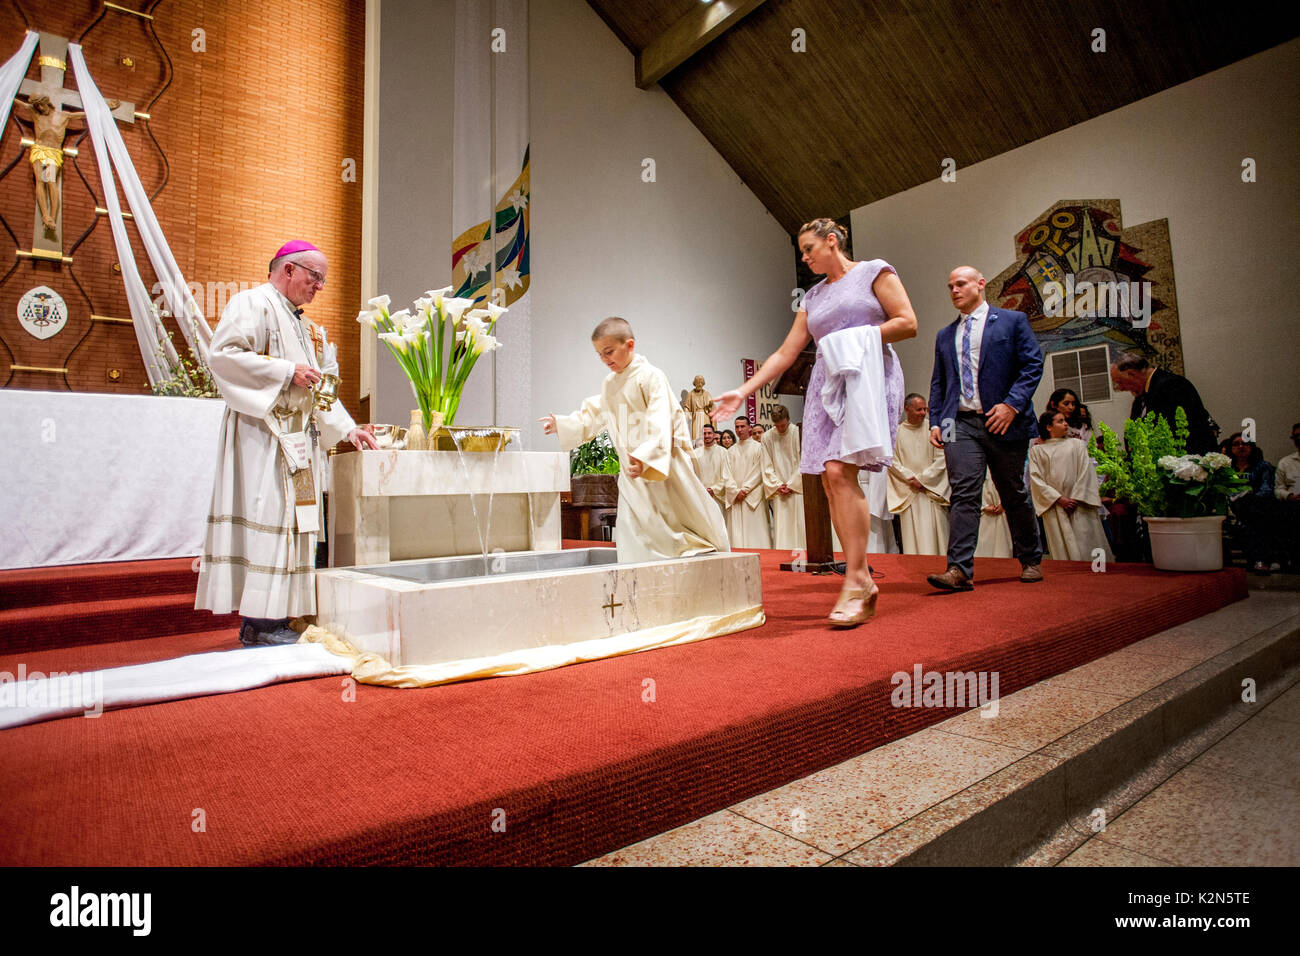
[[436, 343]]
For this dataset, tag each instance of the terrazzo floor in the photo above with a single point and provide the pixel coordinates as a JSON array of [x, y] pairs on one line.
[[1236, 803]]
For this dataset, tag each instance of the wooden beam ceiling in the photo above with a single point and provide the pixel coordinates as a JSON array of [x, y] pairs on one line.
[[883, 92], [690, 33]]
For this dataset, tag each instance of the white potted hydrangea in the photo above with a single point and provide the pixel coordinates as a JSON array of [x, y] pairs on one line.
[[1183, 498]]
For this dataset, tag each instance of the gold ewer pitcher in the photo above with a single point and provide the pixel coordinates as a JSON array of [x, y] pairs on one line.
[[326, 392]]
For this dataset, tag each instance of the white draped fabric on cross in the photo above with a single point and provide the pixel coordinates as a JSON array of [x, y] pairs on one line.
[[160, 359]]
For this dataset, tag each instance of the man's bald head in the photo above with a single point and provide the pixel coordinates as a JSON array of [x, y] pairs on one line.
[[966, 287]]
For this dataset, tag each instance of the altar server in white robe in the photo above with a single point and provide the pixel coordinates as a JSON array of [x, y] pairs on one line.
[[995, 531], [715, 468], [747, 520], [918, 483], [259, 552], [664, 510], [783, 482], [1064, 488], [880, 533]]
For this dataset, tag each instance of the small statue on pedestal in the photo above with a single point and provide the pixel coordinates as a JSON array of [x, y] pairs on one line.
[[698, 405]]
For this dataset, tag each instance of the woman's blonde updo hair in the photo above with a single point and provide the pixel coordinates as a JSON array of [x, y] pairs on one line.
[[822, 228]]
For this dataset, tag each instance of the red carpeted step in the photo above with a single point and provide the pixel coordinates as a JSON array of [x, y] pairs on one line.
[[31, 587], [571, 763], [98, 622]]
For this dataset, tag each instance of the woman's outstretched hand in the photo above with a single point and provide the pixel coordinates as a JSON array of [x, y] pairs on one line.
[[725, 405]]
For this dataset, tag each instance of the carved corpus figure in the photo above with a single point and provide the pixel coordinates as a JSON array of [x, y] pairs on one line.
[[51, 128]]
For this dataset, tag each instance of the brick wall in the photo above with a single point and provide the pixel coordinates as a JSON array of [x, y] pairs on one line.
[[244, 151]]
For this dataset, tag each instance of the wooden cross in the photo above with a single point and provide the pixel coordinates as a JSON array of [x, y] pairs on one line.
[[611, 605], [50, 130]]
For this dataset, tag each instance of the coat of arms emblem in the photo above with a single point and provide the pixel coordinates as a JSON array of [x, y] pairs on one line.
[[42, 312]]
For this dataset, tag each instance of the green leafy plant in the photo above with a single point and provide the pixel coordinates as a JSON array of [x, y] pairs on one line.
[[596, 457], [1151, 470]]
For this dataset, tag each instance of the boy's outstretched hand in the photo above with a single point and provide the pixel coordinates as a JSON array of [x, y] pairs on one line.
[[634, 467], [548, 424]]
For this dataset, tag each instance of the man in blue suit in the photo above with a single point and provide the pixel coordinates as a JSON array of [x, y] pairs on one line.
[[987, 365]]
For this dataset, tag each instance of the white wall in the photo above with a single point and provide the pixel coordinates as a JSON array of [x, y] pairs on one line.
[[693, 260], [1177, 156], [415, 113]]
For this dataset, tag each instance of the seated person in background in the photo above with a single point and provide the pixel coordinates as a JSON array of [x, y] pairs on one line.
[[727, 438], [1064, 488], [756, 432], [1286, 482], [1082, 429], [1256, 509], [664, 509], [1286, 486]]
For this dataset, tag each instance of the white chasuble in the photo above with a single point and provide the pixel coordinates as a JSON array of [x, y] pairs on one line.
[[1061, 466], [715, 472], [665, 513], [995, 531], [747, 519], [781, 466], [255, 561], [922, 515]]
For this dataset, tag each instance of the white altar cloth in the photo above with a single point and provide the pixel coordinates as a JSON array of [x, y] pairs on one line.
[[89, 477]]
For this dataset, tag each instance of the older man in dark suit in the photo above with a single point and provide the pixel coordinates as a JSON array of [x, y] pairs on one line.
[[1163, 392], [987, 364]]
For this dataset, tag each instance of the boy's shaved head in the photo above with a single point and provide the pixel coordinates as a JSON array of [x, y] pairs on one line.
[[613, 328]]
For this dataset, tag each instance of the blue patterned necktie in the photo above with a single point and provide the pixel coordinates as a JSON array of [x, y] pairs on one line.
[[967, 366]]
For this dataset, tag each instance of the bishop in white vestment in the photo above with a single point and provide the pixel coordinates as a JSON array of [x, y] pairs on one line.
[[747, 519], [664, 511], [259, 552], [783, 482], [918, 484]]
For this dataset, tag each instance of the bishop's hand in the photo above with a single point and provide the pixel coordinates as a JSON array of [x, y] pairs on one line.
[[362, 439], [304, 376], [548, 424]]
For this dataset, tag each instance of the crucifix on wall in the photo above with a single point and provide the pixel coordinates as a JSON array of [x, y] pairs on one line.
[[44, 107]]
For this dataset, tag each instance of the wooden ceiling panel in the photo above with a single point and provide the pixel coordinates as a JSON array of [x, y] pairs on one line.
[[887, 90]]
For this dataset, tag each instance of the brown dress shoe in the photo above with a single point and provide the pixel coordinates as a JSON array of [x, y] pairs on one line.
[[1031, 573], [951, 580]]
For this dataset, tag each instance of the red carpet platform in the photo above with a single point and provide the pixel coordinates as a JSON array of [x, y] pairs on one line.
[[550, 768]]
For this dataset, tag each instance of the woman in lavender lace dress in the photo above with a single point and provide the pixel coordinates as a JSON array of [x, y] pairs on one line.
[[852, 294]]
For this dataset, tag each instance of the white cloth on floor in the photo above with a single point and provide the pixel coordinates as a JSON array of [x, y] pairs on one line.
[[198, 675]]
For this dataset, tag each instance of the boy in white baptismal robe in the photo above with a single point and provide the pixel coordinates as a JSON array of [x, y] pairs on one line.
[[1064, 489], [664, 510]]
